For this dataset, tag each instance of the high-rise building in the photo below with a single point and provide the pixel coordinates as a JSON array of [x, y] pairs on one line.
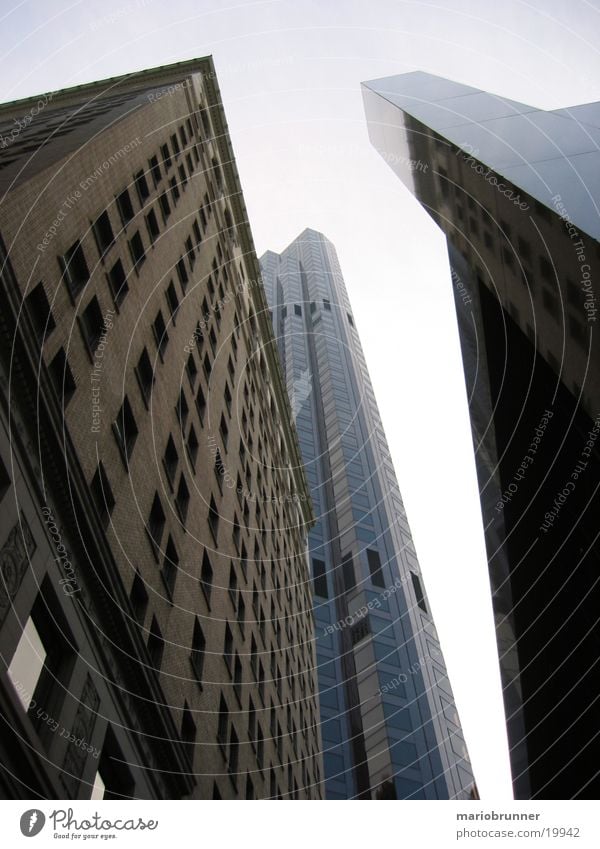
[[515, 190], [389, 724], [156, 630]]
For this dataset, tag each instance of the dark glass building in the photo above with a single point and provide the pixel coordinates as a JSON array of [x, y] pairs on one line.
[[515, 190], [389, 723]]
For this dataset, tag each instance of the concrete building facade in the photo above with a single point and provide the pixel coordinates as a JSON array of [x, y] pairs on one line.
[[156, 629]]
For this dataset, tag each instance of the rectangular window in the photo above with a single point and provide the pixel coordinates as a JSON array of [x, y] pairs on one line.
[[198, 653], [156, 521], [125, 429], [138, 252], [155, 170], [117, 282], [145, 376], [125, 207], [156, 644], [166, 155], [171, 460], [139, 598], [142, 187], [40, 312], [159, 330], [169, 568], [375, 568], [165, 206], [103, 233], [319, 578], [172, 300], [62, 377], [102, 494], [182, 499], [152, 226], [75, 269], [418, 591]]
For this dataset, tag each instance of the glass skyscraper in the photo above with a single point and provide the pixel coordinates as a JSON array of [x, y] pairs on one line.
[[389, 723]]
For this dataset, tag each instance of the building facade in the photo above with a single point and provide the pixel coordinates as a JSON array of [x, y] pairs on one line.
[[156, 629], [390, 727], [515, 190]]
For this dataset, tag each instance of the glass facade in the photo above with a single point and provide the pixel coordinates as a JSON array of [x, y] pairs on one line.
[[389, 725]]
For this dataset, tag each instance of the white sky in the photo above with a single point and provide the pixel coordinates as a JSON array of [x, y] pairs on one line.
[[290, 73]]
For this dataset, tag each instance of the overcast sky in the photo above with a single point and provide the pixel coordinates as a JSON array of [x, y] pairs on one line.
[[290, 73]]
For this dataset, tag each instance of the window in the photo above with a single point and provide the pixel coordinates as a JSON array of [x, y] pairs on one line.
[[319, 578], [117, 282], [62, 376], [125, 429], [155, 170], [4, 480], [326, 305], [125, 207], [156, 644], [360, 630], [237, 678], [182, 175], [348, 572], [40, 312], [172, 300], [350, 320], [102, 494], [223, 722], [171, 460], [103, 232], [138, 598], [297, 309], [192, 370], [152, 226], [234, 753], [418, 591], [213, 518], [197, 233], [91, 323], [181, 409], [191, 254], [206, 576], [201, 405], [182, 499], [192, 445], [145, 375], [188, 731], [165, 206], [142, 187], [41, 666], [224, 431], [166, 155], [228, 647], [170, 564], [27, 663], [161, 336], [175, 194], [182, 273], [138, 253], [75, 269], [156, 521], [375, 568], [233, 584]]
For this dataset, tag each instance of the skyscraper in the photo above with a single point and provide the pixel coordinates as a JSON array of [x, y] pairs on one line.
[[156, 635], [515, 189], [389, 724]]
